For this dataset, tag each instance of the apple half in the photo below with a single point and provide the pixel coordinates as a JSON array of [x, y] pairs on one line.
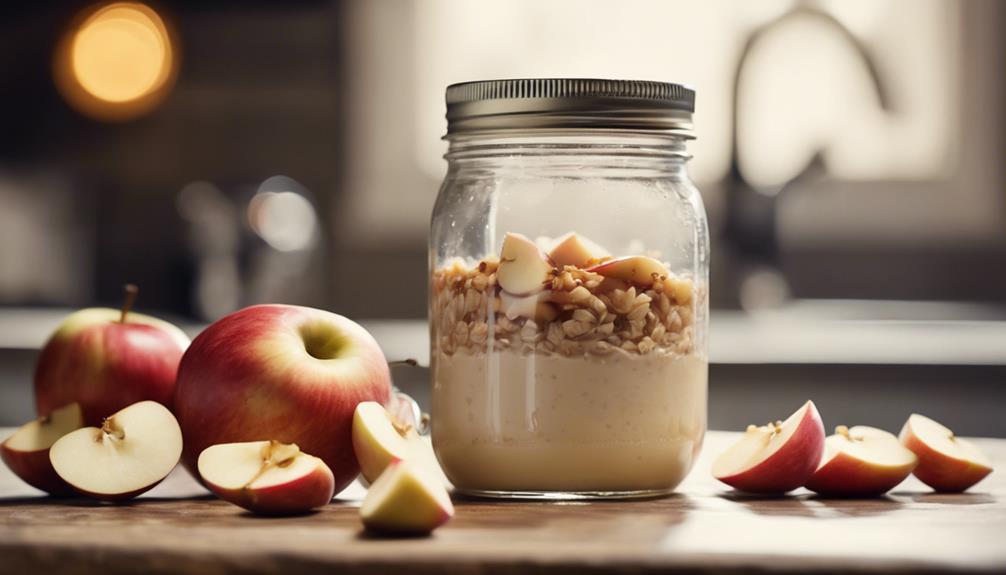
[[947, 463], [26, 452], [267, 477], [406, 500], [132, 451], [524, 269], [861, 461], [774, 458]]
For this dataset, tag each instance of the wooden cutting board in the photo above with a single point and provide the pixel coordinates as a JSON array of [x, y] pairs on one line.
[[178, 528]]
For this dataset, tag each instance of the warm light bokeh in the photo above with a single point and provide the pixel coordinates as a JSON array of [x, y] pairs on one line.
[[117, 62]]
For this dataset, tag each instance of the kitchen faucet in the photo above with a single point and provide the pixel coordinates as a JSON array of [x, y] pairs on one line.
[[751, 211]]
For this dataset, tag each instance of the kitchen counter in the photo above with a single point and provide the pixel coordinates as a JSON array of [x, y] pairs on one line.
[[179, 528], [803, 332]]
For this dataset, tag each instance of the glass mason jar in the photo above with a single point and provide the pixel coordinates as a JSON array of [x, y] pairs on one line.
[[569, 258]]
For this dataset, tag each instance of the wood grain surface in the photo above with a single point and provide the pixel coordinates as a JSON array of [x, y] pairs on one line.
[[179, 528]]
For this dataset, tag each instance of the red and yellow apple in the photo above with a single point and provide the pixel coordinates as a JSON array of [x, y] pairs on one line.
[[774, 458], [105, 359], [267, 477], [289, 373], [947, 463], [133, 450], [26, 452], [406, 500], [861, 462]]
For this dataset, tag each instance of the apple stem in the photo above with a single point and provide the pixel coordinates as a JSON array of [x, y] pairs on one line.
[[409, 361], [130, 298]]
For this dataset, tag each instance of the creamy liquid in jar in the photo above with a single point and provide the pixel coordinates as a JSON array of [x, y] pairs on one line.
[[619, 422]]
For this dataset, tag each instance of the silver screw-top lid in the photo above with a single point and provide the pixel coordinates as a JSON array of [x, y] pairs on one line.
[[559, 103]]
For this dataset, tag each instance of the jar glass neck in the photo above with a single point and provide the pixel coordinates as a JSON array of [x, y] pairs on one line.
[[582, 142]]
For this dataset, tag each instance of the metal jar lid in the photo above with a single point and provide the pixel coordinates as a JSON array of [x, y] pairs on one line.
[[556, 103]]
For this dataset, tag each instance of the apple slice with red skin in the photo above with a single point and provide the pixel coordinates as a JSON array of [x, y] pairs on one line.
[[267, 477], [640, 270], [574, 250], [523, 269], [774, 458], [861, 462], [406, 500], [26, 452], [132, 451], [947, 463], [379, 438]]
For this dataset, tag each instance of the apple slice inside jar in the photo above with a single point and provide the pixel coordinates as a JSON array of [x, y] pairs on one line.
[[640, 270], [530, 306], [523, 269], [575, 250]]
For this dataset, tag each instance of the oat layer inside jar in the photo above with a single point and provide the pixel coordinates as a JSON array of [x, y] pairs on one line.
[[581, 308]]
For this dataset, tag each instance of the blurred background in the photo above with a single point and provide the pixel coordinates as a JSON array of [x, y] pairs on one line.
[[221, 153]]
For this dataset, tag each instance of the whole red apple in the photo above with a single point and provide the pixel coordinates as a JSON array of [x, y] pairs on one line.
[[288, 373], [106, 359]]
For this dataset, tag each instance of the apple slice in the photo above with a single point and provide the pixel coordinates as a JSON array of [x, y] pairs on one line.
[[530, 306], [406, 500], [774, 458], [861, 462], [267, 477], [574, 250], [640, 270], [379, 438], [132, 451], [524, 269], [26, 452], [947, 463]]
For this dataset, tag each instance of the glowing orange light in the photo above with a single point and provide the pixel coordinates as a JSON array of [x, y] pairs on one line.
[[117, 62]]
